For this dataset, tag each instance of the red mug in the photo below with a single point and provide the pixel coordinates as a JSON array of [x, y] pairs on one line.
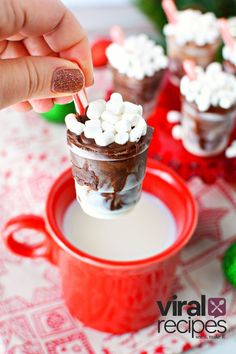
[[111, 296]]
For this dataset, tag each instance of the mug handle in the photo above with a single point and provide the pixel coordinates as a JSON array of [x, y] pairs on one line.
[[33, 222]]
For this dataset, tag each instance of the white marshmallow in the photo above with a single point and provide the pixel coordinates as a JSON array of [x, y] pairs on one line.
[[121, 138], [104, 138], [123, 126], [173, 117], [135, 134], [114, 106], [142, 125], [230, 152], [132, 118], [108, 127], [92, 128], [96, 108], [73, 125], [115, 96], [177, 132], [110, 117], [131, 108]]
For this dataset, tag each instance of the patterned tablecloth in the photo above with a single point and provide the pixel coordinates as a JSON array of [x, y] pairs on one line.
[[33, 317]]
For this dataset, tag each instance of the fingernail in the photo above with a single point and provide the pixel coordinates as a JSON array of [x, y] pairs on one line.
[[67, 80]]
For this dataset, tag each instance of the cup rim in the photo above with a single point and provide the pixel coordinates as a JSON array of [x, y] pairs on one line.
[[153, 167]]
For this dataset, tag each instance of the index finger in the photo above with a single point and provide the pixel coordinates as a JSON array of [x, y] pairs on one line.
[[52, 20]]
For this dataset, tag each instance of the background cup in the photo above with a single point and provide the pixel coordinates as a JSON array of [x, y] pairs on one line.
[[112, 296], [206, 133]]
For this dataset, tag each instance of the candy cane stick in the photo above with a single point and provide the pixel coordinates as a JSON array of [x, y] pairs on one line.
[[189, 68], [80, 101], [170, 10], [117, 35], [225, 33]]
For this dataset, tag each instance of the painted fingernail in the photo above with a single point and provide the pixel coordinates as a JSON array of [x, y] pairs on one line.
[[67, 80]]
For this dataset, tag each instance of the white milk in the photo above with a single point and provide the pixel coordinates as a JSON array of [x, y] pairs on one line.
[[147, 230]]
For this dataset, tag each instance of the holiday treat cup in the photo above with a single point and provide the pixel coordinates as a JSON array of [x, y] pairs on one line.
[[108, 150], [193, 36], [208, 110], [112, 296], [138, 66]]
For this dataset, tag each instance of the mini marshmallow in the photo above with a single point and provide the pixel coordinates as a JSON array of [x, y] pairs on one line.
[[131, 108], [108, 127], [92, 128], [121, 138], [177, 132], [115, 96], [142, 125], [96, 108], [173, 117], [132, 118], [114, 106], [230, 152], [123, 126], [73, 125], [104, 138], [135, 134], [110, 117]]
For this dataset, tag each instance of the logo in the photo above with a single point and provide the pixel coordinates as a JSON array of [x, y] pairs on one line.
[[214, 306]]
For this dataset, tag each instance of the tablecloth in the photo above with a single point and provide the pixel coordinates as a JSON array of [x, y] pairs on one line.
[[33, 316]]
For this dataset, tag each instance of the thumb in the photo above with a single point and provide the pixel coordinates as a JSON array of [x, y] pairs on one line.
[[37, 77]]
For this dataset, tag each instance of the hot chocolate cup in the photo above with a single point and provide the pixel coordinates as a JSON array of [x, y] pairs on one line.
[[206, 133], [108, 185], [201, 55]]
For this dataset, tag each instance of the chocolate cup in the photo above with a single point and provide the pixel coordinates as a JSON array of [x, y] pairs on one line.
[[201, 55], [206, 133], [108, 181], [143, 92]]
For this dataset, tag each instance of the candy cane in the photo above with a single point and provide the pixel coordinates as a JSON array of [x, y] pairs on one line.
[[225, 33], [80, 101], [170, 10], [117, 35], [189, 68]]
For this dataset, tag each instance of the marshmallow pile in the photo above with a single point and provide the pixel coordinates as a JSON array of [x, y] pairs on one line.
[[193, 26], [212, 87], [112, 121], [138, 57], [230, 54]]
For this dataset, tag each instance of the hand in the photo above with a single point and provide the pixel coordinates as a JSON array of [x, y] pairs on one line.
[[42, 46]]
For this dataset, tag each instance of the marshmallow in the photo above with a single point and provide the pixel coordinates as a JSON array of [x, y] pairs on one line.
[[212, 87], [229, 54], [129, 58], [135, 134], [106, 126], [104, 138], [121, 138], [131, 108], [73, 125], [142, 125], [92, 128], [96, 108], [193, 26], [115, 96], [177, 132], [110, 117], [173, 117], [230, 152], [132, 118], [114, 106], [123, 126]]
